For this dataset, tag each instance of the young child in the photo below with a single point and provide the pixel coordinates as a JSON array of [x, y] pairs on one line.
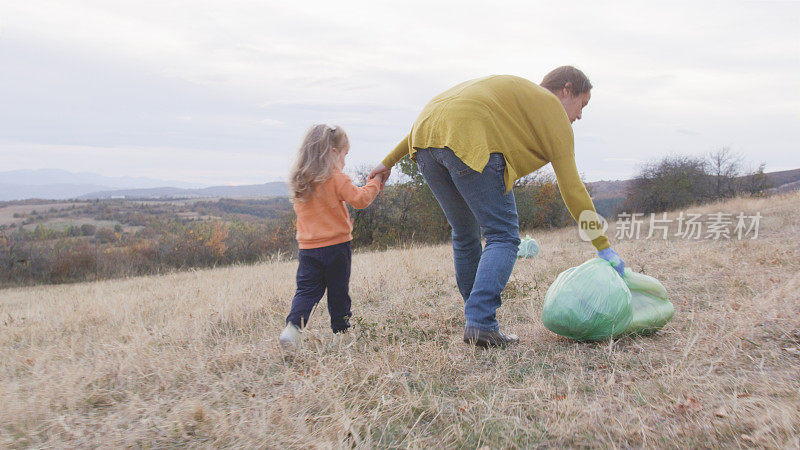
[[319, 191]]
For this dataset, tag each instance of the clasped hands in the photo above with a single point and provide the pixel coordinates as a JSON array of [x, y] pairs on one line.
[[380, 172]]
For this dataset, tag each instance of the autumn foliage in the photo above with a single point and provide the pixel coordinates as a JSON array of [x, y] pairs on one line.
[[151, 238]]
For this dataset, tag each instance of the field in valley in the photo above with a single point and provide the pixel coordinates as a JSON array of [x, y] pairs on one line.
[[192, 358]]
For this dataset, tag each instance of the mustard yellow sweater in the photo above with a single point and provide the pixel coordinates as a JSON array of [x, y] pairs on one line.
[[503, 114]]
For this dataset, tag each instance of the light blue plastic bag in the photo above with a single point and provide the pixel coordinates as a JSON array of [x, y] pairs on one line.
[[528, 248]]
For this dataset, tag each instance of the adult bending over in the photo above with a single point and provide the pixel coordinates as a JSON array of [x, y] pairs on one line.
[[471, 143]]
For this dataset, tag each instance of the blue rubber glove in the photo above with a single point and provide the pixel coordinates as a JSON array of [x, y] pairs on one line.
[[612, 257]]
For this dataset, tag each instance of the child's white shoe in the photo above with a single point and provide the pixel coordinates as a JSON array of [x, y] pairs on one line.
[[343, 340], [290, 336]]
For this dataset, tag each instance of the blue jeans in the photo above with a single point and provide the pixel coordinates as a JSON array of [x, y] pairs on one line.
[[476, 203]]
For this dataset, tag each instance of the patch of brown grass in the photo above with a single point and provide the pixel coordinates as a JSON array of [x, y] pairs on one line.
[[7, 212], [192, 358]]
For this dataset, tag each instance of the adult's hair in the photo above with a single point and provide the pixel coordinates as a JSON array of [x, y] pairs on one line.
[[315, 160], [558, 79]]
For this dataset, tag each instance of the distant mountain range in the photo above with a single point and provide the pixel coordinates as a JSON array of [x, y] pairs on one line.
[[55, 184], [63, 177], [274, 189]]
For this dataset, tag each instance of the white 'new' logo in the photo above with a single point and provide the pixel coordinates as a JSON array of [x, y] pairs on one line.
[[591, 225]]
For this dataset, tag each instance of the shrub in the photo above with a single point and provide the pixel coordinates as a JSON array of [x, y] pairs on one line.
[[539, 202], [73, 261], [73, 231], [106, 235], [88, 229], [674, 182]]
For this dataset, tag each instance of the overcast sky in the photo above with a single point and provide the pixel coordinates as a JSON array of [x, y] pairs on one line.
[[220, 92]]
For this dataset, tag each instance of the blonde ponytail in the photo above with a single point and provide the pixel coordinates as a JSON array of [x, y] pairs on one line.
[[315, 159]]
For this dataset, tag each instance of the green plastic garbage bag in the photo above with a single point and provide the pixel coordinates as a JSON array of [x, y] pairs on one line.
[[651, 308], [589, 302], [592, 302], [528, 248]]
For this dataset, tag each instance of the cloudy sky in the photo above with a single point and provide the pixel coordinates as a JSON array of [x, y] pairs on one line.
[[218, 92]]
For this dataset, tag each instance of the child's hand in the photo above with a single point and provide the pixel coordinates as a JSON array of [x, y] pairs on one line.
[[382, 178], [382, 173]]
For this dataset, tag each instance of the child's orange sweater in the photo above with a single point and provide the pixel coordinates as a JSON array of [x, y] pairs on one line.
[[322, 218]]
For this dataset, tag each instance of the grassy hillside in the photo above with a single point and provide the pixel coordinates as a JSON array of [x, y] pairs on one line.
[[192, 358]]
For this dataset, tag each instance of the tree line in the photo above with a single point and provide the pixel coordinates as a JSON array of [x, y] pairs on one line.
[[678, 181], [229, 231]]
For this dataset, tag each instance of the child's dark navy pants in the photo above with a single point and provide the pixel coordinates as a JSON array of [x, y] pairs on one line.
[[320, 269]]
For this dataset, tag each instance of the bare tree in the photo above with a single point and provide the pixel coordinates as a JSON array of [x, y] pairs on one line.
[[724, 166]]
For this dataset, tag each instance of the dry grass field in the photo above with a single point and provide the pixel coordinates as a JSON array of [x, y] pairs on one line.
[[191, 359], [7, 212]]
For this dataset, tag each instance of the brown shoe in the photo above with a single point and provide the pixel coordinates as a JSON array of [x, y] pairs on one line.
[[476, 336]]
